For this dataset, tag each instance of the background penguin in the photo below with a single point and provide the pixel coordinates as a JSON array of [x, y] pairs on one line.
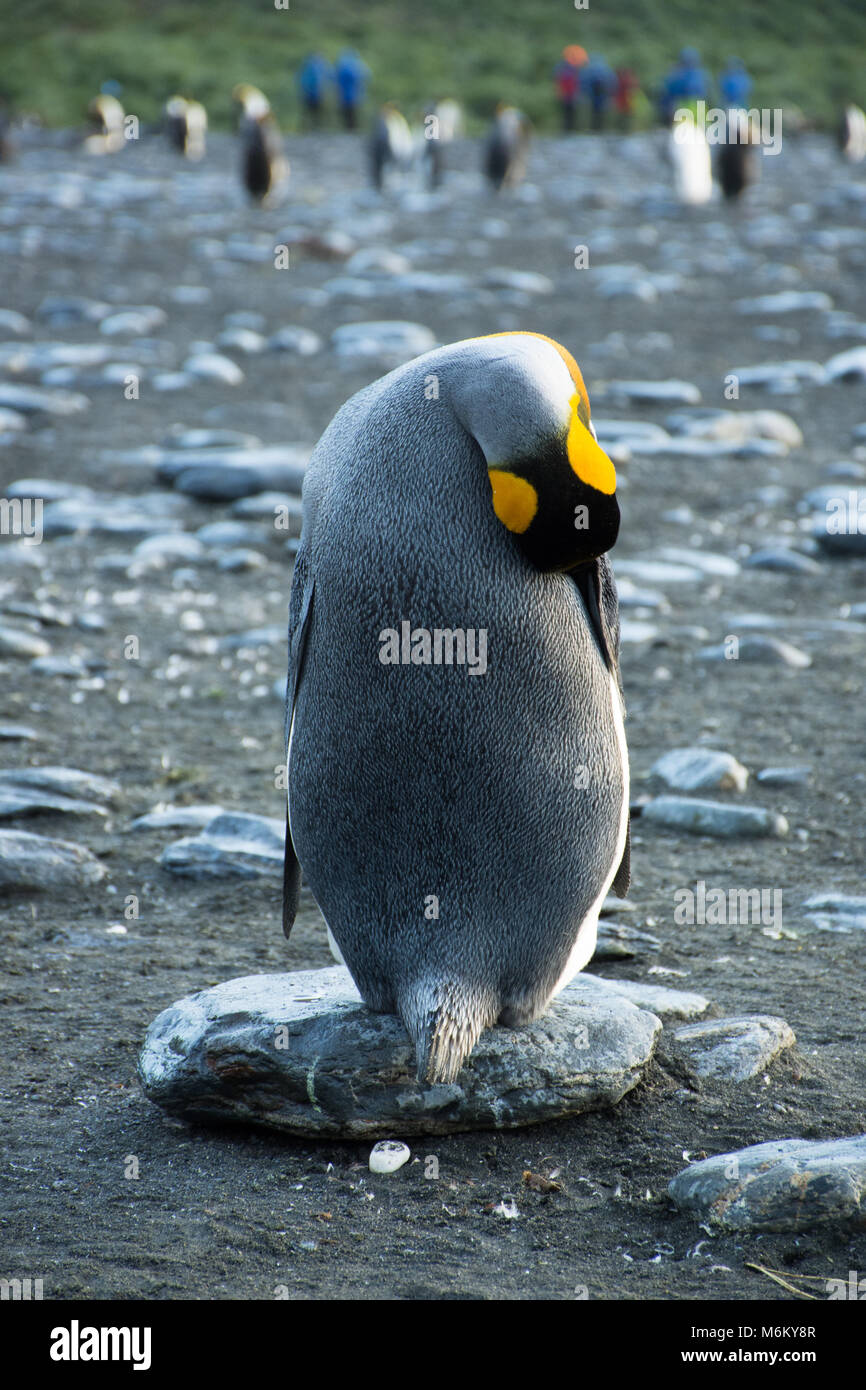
[[506, 150], [443, 122], [851, 135], [263, 167], [105, 115], [391, 144], [689, 154], [459, 832], [185, 124], [737, 158]]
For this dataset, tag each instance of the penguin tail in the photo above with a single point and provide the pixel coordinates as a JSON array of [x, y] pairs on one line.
[[445, 1022]]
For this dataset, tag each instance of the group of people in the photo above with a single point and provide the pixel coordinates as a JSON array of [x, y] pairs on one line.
[[586, 83], [348, 77]]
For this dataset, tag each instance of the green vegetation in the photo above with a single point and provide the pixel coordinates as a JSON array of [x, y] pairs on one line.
[[58, 52]]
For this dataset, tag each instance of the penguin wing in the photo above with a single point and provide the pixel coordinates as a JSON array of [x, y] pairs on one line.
[[598, 591], [299, 629]]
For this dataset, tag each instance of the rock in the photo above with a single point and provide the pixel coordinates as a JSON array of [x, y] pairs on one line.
[[658, 999], [301, 341], [17, 731], [788, 302], [733, 1049], [527, 281], [690, 769], [177, 818], [18, 799], [33, 861], [104, 513], [240, 560], [11, 422], [225, 475], [775, 374], [783, 561], [243, 340], [840, 529], [617, 941], [62, 310], [633, 631], [785, 776], [649, 571], [388, 1156], [269, 506], [395, 341], [300, 1053], [137, 321], [69, 667], [253, 637], [847, 366], [13, 322], [720, 566], [633, 432], [738, 426], [213, 366], [661, 392], [786, 1185], [770, 651], [229, 534], [16, 642], [838, 912], [30, 399], [67, 781], [232, 845], [713, 818], [180, 438]]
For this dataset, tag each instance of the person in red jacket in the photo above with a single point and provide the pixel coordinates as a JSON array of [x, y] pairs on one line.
[[566, 77], [623, 97]]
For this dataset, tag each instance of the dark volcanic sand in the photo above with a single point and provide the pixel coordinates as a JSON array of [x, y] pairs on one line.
[[218, 1214]]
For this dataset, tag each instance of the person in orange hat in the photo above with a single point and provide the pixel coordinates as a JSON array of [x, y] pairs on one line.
[[566, 77]]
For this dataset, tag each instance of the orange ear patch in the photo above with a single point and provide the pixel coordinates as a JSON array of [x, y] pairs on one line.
[[515, 501], [586, 456]]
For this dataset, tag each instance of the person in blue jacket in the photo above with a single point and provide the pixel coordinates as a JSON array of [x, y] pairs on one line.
[[685, 85], [350, 75], [735, 85], [313, 78], [598, 81]]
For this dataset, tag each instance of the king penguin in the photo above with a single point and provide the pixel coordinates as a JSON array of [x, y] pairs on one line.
[[506, 149], [264, 168], [457, 766], [185, 124]]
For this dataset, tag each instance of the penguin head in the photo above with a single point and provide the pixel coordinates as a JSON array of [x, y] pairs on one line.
[[553, 486]]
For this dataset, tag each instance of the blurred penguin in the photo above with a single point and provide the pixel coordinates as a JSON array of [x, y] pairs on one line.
[[689, 154], [443, 122], [185, 124], [391, 144], [851, 135], [105, 115], [506, 150], [264, 168], [737, 159]]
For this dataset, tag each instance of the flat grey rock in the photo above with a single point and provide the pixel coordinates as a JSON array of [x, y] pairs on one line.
[[785, 776], [17, 731], [16, 641], [30, 399], [177, 818], [393, 340], [659, 999], [691, 769], [787, 302], [838, 912], [300, 1053], [786, 1185], [66, 781], [714, 818], [618, 941], [34, 861], [783, 561], [769, 651], [18, 801], [738, 426], [232, 845], [848, 366], [213, 366], [733, 1049], [662, 392]]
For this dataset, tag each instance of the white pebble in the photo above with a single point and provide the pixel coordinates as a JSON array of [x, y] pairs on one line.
[[388, 1155]]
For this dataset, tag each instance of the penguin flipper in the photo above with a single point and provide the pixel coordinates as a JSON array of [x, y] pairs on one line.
[[299, 629], [598, 590], [623, 874]]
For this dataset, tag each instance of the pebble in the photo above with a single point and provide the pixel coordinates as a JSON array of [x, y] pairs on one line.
[[663, 392], [847, 366], [213, 366], [787, 1185], [658, 999], [783, 561], [228, 533], [240, 560], [177, 818], [837, 912], [34, 861], [785, 776], [345, 1071], [691, 769], [253, 637], [714, 818], [291, 338], [180, 438], [733, 1049], [137, 322], [30, 399], [618, 941], [788, 302], [388, 1156], [649, 571], [720, 566], [396, 340], [232, 845], [769, 651], [16, 642], [17, 731], [243, 340], [738, 426], [779, 374], [21, 800], [70, 781]]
